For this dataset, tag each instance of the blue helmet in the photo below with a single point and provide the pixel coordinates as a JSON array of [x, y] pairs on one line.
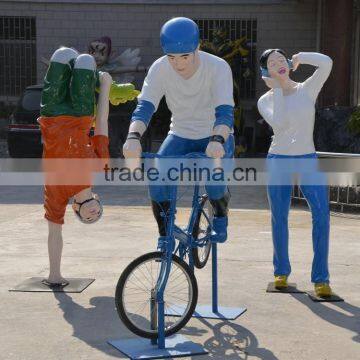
[[179, 36]]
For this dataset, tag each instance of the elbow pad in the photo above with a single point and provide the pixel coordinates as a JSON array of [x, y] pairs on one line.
[[224, 115], [143, 112]]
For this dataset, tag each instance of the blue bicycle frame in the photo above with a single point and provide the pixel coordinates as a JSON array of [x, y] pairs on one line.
[[186, 243]]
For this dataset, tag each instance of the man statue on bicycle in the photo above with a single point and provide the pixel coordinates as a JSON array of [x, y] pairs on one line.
[[199, 93]]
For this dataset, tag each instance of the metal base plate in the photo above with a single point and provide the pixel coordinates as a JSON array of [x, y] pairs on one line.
[[332, 298], [34, 284], [206, 312], [175, 346], [291, 289]]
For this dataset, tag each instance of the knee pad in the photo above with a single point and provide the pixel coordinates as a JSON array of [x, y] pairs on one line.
[[64, 55], [85, 61]]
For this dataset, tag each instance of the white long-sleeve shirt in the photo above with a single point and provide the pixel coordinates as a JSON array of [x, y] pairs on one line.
[[192, 102], [292, 117]]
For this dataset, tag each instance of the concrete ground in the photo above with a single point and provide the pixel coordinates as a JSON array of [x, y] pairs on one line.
[[46, 326]]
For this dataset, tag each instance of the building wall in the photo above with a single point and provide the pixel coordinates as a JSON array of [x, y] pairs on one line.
[[290, 25]]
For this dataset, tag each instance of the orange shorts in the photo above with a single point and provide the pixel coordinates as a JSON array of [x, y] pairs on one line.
[[68, 137]]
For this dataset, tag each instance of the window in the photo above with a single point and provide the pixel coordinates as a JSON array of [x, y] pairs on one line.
[[235, 41], [17, 54]]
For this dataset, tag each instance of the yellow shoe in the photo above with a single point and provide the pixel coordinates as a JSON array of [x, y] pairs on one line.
[[280, 282], [323, 290]]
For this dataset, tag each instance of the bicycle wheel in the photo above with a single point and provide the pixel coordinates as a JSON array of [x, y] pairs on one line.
[[201, 229], [136, 287]]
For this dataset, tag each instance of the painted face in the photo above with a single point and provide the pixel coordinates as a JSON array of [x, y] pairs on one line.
[[90, 211], [183, 64], [277, 65], [99, 51]]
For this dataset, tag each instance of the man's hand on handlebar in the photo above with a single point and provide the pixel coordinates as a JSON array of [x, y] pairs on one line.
[[132, 149], [215, 150]]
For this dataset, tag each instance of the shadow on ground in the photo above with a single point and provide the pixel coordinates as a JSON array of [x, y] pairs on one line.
[[96, 324], [341, 314], [230, 341]]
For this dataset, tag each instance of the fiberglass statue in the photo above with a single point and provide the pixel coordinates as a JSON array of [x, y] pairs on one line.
[[198, 88], [289, 108], [67, 115]]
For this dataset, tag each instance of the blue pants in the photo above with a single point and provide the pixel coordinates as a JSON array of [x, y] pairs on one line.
[[279, 197], [176, 146]]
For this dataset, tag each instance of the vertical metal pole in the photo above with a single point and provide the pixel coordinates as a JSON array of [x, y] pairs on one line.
[[214, 278], [191, 261], [161, 324], [194, 203], [153, 314]]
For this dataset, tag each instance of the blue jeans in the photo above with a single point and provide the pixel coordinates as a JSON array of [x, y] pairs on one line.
[[176, 146], [279, 197]]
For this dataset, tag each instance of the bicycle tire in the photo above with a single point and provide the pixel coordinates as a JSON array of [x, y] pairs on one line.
[[121, 307], [200, 261]]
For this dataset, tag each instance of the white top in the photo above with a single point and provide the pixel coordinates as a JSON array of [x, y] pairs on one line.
[[192, 102], [292, 116]]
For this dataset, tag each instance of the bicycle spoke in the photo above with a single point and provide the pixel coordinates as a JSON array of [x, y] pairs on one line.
[[135, 312], [174, 284], [176, 297], [158, 270], [133, 293], [138, 301], [172, 308], [176, 277], [174, 271], [172, 288], [145, 276], [145, 287], [133, 288], [141, 288], [151, 274]]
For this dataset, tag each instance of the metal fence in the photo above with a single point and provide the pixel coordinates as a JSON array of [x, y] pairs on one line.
[[17, 55], [340, 197], [235, 30]]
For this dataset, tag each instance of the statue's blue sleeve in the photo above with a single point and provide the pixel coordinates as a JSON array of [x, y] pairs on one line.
[[224, 115], [143, 112]]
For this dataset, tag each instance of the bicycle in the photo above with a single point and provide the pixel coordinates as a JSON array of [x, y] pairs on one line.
[[142, 296]]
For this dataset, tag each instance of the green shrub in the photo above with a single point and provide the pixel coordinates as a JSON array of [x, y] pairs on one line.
[[354, 121]]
